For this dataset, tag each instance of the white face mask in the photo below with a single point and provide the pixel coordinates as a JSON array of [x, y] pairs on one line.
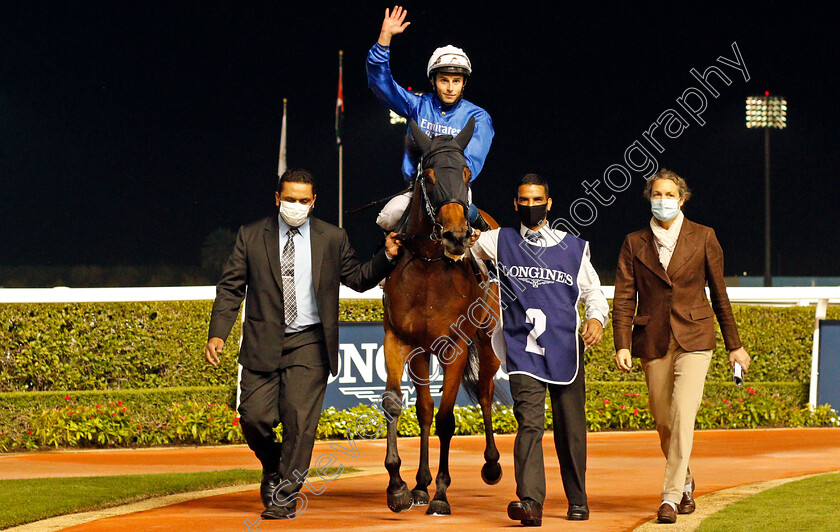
[[294, 213], [665, 209]]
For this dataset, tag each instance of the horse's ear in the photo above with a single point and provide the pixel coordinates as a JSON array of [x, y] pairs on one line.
[[422, 140], [466, 134]]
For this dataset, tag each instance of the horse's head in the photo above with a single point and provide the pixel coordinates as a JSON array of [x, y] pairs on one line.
[[445, 179]]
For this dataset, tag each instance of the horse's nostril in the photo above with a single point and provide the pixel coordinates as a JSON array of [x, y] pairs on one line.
[[455, 238]]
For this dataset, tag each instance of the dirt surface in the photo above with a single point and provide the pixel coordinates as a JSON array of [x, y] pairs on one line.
[[126, 461], [624, 479]]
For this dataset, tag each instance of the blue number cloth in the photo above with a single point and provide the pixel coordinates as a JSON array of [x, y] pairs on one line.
[[539, 298]]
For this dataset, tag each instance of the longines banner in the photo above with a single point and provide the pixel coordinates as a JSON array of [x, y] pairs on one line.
[[361, 371], [829, 364]]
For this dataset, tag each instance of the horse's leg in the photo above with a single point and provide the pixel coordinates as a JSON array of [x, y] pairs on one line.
[[418, 365], [399, 498], [445, 426], [491, 471]]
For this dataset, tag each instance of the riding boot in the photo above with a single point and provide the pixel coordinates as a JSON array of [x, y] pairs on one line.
[[480, 223]]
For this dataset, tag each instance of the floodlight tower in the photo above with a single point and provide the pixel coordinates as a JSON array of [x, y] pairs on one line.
[[767, 112]]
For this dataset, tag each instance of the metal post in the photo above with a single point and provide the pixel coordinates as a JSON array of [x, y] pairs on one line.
[[819, 315], [340, 140], [768, 278], [341, 185]]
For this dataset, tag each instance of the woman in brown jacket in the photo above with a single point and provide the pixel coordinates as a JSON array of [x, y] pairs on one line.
[[671, 329]]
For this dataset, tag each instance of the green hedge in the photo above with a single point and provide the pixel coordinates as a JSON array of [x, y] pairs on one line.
[[35, 420], [85, 346], [778, 340], [96, 346], [150, 356], [20, 410]]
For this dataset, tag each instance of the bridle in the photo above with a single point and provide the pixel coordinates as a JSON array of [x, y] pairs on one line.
[[432, 203], [443, 195], [449, 185]]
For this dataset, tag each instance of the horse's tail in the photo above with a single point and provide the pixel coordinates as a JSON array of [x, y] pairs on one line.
[[470, 379]]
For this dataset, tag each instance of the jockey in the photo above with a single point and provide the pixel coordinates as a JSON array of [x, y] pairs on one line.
[[443, 111]]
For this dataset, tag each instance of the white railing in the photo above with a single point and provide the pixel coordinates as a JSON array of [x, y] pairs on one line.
[[782, 295], [778, 296], [62, 294]]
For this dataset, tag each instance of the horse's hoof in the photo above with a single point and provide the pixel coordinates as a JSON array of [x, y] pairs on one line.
[[400, 500], [491, 473], [438, 507], [420, 497]]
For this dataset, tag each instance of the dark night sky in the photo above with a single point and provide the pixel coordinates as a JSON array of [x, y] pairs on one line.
[[129, 131]]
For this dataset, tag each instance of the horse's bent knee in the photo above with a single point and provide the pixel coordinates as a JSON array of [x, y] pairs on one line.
[[391, 405]]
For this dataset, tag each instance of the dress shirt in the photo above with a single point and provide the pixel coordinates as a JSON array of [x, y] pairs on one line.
[[307, 308]]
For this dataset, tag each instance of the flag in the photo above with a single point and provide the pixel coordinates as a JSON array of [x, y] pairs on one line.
[[281, 165], [339, 102]]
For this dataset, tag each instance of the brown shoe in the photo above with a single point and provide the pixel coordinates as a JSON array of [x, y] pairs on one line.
[[666, 514], [687, 504]]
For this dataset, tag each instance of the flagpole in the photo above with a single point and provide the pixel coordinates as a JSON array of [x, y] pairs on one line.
[[281, 160], [340, 151]]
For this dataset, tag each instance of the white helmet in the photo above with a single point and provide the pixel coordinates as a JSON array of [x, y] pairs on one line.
[[449, 59]]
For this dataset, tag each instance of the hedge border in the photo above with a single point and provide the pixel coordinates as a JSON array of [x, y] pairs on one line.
[[21, 412]]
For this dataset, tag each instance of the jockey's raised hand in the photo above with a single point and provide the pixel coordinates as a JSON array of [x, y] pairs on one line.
[[439, 111], [393, 24]]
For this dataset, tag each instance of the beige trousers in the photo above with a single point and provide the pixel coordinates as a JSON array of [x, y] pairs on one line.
[[675, 386]]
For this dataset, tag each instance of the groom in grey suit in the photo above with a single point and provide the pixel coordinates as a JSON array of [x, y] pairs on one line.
[[290, 266]]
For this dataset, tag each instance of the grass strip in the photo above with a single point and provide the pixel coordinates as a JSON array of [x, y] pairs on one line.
[[805, 505], [32, 499]]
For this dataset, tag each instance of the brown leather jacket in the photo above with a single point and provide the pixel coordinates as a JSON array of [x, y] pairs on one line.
[[673, 301]]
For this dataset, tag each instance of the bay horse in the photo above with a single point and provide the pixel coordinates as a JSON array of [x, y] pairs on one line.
[[435, 304]]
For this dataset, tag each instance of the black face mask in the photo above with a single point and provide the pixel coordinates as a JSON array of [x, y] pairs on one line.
[[532, 215]]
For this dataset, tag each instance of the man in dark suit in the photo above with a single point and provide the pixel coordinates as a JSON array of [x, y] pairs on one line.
[[290, 266]]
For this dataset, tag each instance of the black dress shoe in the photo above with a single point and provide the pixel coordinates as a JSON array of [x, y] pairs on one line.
[[278, 512], [527, 511], [666, 513], [268, 485], [687, 504], [578, 512]]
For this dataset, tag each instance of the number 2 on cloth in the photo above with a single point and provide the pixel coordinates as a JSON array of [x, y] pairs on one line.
[[537, 317]]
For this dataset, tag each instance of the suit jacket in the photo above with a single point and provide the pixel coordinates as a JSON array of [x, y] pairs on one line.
[[673, 301], [255, 264]]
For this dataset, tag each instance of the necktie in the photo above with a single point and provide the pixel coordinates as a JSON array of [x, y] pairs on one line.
[[533, 236], [287, 269]]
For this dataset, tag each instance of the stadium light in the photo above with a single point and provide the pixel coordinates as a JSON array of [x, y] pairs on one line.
[[767, 112], [396, 119]]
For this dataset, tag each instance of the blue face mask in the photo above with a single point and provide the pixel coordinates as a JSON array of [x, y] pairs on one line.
[[665, 209]]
